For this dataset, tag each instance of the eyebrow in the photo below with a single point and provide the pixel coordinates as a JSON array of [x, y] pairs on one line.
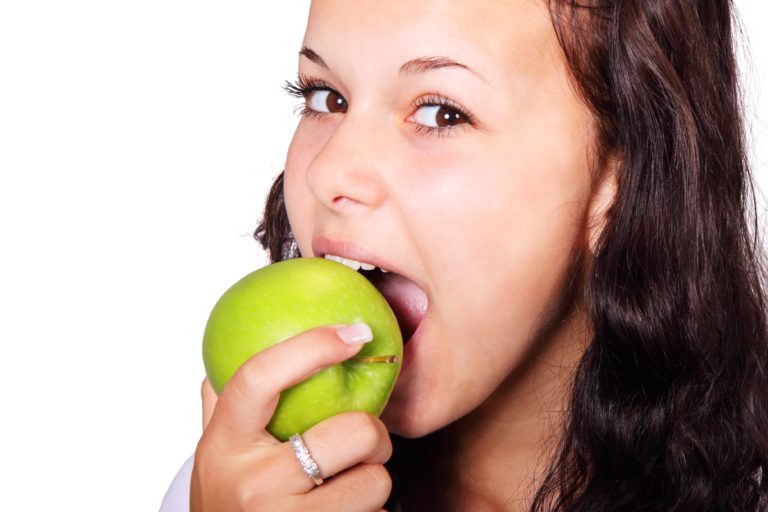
[[413, 66], [314, 57]]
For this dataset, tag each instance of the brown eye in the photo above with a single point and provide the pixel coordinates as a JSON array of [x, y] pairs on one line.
[[327, 101], [438, 116]]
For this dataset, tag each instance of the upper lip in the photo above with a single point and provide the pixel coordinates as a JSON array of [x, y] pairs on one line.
[[322, 245]]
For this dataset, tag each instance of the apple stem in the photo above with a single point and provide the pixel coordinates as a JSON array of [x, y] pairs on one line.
[[376, 359]]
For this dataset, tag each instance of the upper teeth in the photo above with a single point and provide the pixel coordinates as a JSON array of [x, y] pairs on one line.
[[353, 264]]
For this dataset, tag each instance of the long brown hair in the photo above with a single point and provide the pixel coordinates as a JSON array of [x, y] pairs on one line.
[[669, 405]]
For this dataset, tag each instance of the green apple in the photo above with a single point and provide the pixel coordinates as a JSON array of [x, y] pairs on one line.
[[283, 299]]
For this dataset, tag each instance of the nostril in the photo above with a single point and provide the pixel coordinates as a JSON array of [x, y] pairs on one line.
[[341, 200]]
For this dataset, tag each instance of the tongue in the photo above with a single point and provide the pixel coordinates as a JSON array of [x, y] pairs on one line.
[[407, 300]]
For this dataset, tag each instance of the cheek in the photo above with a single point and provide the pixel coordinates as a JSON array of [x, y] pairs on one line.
[[496, 204], [298, 201], [505, 225]]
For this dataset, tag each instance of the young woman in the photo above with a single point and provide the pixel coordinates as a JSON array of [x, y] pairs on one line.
[[561, 195]]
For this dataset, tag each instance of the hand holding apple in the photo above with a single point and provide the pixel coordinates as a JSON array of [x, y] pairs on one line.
[[282, 300], [238, 463]]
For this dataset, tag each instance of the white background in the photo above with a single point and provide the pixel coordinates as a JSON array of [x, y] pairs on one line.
[[137, 141]]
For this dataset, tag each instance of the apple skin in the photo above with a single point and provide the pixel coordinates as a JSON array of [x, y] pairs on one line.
[[281, 300]]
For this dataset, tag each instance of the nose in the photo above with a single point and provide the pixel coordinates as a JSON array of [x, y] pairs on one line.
[[347, 172]]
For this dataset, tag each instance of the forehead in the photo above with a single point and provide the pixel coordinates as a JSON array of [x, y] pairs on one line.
[[493, 37]]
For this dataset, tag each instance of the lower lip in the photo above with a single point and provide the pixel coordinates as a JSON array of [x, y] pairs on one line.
[[409, 350]]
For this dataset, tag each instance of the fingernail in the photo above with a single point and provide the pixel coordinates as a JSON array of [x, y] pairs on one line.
[[355, 334]]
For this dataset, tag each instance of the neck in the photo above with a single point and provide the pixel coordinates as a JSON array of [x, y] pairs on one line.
[[503, 447]]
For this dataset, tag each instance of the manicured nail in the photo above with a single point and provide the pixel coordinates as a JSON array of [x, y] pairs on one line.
[[355, 334]]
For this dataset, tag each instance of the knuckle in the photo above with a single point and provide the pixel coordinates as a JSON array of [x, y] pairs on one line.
[[365, 431], [204, 451], [251, 372], [379, 480], [245, 497], [248, 378]]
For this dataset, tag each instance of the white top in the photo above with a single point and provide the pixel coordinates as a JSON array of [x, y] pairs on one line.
[[176, 498]]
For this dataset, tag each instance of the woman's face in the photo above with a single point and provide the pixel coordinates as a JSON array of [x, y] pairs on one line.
[[471, 179]]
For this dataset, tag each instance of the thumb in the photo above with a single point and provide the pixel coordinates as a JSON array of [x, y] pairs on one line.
[[249, 399]]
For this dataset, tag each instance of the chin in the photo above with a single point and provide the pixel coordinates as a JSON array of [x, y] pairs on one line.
[[406, 428], [411, 420]]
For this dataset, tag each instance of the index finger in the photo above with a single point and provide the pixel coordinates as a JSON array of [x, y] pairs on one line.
[[248, 400], [209, 398]]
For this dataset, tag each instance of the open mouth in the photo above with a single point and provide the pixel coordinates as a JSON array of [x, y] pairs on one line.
[[407, 300]]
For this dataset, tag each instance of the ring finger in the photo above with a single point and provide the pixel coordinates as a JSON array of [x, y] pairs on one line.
[[336, 444]]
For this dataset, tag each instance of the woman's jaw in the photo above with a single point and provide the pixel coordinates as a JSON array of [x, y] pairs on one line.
[[425, 399]]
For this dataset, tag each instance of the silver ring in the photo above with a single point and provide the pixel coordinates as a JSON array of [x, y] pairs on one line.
[[307, 462]]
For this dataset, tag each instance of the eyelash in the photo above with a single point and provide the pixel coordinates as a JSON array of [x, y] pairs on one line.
[[305, 85]]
